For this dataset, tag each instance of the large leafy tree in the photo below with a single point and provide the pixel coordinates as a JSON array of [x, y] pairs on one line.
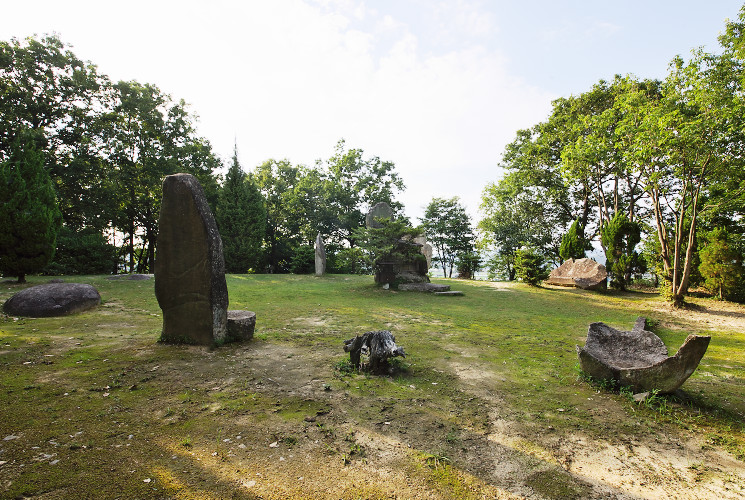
[[29, 217], [448, 229], [241, 219], [276, 180], [686, 141], [151, 136], [355, 184], [46, 88], [513, 216]]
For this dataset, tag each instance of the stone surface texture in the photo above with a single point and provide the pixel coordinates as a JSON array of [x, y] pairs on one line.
[[639, 358], [582, 273], [241, 325], [381, 210], [52, 299], [189, 267], [320, 256]]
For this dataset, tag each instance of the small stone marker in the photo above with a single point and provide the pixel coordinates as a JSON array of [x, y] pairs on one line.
[[241, 325], [320, 256], [52, 299], [189, 267]]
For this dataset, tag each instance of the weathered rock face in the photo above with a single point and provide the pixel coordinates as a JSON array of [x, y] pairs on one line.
[[52, 299], [639, 358], [320, 256], [381, 210], [189, 267], [582, 273]]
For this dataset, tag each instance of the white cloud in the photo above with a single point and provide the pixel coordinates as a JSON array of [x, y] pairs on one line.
[[289, 78]]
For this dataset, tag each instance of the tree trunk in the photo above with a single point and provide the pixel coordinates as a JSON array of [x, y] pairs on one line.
[[380, 345], [21, 278]]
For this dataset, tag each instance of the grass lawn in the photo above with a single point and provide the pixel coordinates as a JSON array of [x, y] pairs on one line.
[[489, 402]]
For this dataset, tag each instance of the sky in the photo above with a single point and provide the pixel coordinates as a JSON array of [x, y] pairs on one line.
[[437, 87]]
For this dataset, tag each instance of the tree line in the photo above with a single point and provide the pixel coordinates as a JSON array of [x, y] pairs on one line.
[[651, 170], [82, 160]]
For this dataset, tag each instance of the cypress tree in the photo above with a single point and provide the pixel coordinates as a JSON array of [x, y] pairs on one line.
[[29, 215], [573, 243], [241, 219]]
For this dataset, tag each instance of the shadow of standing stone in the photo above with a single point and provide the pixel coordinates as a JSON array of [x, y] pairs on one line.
[[189, 266]]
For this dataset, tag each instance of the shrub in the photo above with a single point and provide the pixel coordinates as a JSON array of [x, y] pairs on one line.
[[530, 266], [82, 252]]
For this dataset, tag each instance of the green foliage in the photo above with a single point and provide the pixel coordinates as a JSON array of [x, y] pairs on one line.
[[573, 243], [86, 251], [620, 237], [721, 265], [29, 217], [241, 219], [468, 264], [517, 213], [448, 229], [303, 260], [388, 242], [530, 266], [346, 260]]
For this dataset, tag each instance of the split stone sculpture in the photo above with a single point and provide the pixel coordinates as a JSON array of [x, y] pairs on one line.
[[639, 358]]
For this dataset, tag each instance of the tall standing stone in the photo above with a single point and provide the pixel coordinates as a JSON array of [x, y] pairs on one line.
[[320, 256], [189, 267]]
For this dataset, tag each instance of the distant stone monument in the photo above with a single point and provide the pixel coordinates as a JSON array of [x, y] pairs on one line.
[[381, 210], [320, 256], [52, 299], [189, 266], [426, 249], [582, 273], [393, 268]]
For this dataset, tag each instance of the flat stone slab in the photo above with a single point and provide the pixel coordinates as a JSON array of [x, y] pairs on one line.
[[450, 293], [423, 287], [52, 299], [241, 326], [639, 358], [582, 273]]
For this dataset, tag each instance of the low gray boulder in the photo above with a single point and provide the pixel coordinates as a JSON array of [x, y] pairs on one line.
[[582, 273], [52, 299]]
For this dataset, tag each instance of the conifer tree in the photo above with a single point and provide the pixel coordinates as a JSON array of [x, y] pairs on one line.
[[573, 243], [241, 219], [29, 215]]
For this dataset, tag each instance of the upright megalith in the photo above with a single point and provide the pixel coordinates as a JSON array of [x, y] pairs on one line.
[[189, 266], [320, 256]]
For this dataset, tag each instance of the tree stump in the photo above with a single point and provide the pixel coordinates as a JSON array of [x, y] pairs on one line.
[[379, 345]]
